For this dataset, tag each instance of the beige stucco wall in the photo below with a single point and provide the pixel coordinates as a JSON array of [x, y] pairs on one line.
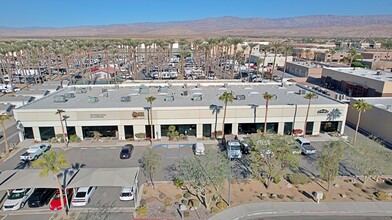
[[375, 121]]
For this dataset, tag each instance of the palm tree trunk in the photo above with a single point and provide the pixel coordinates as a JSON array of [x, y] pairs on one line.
[[262, 70], [357, 127], [224, 118], [7, 149], [63, 207], [265, 118], [151, 126], [306, 118], [284, 69], [62, 129]]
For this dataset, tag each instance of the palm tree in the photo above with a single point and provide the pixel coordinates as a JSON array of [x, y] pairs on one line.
[[287, 49], [53, 163], [308, 96], [267, 97], [331, 52], [225, 97], [361, 106], [59, 112], [235, 42], [307, 52], [4, 117], [265, 48], [251, 46], [150, 100], [276, 46], [351, 55]]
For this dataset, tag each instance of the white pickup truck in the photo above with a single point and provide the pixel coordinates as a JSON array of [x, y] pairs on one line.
[[35, 151]]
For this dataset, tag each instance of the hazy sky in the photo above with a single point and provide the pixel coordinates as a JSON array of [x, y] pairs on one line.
[[60, 13]]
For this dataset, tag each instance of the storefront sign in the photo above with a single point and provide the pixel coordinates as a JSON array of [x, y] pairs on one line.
[[97, 115], [322, 111], [137, 114]]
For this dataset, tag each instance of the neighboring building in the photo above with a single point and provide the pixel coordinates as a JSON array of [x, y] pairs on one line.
[[328, 57], [304, 69], [269, 60], [384, 65], [358, 82], [37, 94], [16, 101], [377, 55], [122, 110], [376, 121], [358, 45], [6, 108]]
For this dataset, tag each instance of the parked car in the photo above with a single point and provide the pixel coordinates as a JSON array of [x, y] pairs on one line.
[[83, 196], [35, 151], [127, 193], [55, 204], [305, 146], [17, 199], [126, 151], [199, 148], [40, 197]]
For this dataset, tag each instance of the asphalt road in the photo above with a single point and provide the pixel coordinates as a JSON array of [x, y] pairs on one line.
[[324, 218], [29, 217]]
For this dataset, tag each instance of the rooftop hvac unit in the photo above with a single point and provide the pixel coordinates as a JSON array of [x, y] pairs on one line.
[[104, 90], [69, 95], [143, 90], [59, 98], [196, 98], [163, 89], [81, 90], [302, 92], [240, 97], [105, 94], [92, 99], [185, 85], [184, 93], [126, 99], [169, 98]]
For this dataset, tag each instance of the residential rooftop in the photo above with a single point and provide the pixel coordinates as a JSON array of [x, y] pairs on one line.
[[366, 73], [173, 95]]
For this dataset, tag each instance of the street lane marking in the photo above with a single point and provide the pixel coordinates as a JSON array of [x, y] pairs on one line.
[[98, 148]]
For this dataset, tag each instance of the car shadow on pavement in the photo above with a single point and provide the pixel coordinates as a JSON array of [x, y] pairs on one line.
[[23, 164]]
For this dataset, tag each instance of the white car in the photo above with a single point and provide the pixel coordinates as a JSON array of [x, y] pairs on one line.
[[83, 196], [17, 199], [127, 193]]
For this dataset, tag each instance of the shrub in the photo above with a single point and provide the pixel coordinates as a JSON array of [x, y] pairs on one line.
[[178, 196], [178, 182], [241, 189], [143, 202], [365, 190], [187, 195], [280, 196], [221, 205], [346, 180], [141, 211], [140, 135], [277, 179], [298, 178], [74, 138], [162, 195], [193, 203], [150, 200], [214, 210], [358, 185], [168, 201], [381, 195], [187, 214]]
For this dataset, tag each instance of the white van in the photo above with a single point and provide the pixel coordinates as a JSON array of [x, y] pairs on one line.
[[199, 148]]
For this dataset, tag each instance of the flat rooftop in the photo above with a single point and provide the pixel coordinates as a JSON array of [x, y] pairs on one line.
[[379, 102], [366, 73], [306, 64], [109, 96]]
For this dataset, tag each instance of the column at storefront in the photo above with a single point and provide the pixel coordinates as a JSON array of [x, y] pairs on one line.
[[281, 128], [235, 128], [79, 132], [199, 130], [158, 131], [316, 127], [37, 134], [121, 132]]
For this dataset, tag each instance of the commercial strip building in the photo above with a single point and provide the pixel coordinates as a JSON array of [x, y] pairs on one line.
[[269, 59], [304, 69], [121, 111], [376, 121], [359, 82]]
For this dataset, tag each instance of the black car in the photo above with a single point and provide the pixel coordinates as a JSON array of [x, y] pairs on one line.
[[40, 197], [126, 151]]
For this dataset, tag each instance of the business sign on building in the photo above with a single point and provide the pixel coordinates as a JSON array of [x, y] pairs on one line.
[[322, 111], [138, 114]]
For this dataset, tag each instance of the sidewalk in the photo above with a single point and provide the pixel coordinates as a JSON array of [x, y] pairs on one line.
[[263, 209]]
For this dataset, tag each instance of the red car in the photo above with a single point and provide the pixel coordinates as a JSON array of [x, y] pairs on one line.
[[55, 204]]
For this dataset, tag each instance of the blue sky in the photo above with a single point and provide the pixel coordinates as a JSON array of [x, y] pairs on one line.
[[61, 13]]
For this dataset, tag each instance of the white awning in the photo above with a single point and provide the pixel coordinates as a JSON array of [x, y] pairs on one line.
[[110, 177]]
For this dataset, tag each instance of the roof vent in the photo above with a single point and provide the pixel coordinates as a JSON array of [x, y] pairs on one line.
[[69, 95], [104, 90], [169, 98], [59, 98], [92, 99], [184, 93], [240, 97], [379, 73], [185, 85], [126, 99], [81, 90]]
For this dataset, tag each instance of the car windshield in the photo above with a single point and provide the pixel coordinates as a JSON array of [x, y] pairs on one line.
[[126, 194], [125, 150], [57, 196], [16, 196], [80, 194], [235, 148], [306, 144]]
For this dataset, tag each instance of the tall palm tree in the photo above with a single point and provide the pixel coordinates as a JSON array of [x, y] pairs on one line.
[[225, 97], [351, 55], [53, 163], [276, 46], [307, 52], [150, 100], [235, 41], [60, 112], [267, 98], [361, 106], [309, 97], [265, 48], [4, 117], [287, 50], [251, 46]]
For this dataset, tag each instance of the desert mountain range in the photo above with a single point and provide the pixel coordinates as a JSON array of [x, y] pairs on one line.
[[307, 26]]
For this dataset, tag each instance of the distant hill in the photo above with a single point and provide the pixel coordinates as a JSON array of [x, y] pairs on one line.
[[312, 26]]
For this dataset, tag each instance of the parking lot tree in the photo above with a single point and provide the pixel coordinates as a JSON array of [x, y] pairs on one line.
[[266, 49], [205, 175], [150, 100], [53, 163], [307, 53], [277, 49], [215, 110], [234, 41], [328, 163], [267, 98], [271, 157], [287, 47], [361, 106], [225, 97], [251, 46], [309, 97], [150, 163], [4, 117]]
